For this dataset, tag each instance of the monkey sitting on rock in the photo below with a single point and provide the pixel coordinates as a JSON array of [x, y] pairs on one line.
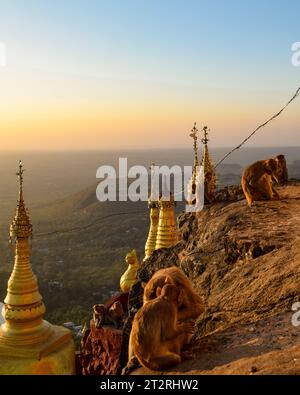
[[156, 337], [187, 308], [257, 181], [192, 305], [112, 316]]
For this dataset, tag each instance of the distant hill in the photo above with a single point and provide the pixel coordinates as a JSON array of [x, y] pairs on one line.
[[86, 262], [80, 267]]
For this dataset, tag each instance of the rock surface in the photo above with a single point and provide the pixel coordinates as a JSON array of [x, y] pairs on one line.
[[100, 350], [245, 262]]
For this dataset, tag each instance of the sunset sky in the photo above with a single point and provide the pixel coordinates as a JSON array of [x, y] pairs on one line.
[[103, 74]]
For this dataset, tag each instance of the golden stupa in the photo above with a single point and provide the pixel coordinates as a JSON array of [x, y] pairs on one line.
[[129, 277], [167, 234], [210, 178], [152, 235], [28, 343], [154, 216]]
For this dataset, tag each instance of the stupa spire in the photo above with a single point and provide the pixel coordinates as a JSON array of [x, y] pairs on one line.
[[167, 234], [194, 136], [23, 306], [210, 178], [28, 343], [154, 215], [20, 226]]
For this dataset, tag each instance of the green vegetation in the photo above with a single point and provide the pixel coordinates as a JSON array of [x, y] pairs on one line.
[[77, 269]]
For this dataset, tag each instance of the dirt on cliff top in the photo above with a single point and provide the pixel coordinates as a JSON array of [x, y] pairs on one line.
[[245, 262]]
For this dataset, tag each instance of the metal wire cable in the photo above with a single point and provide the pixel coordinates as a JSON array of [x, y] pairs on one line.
[[89, 225], [297, 93], [259, 127]]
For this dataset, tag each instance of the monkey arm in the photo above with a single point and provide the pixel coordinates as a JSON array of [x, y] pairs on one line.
[[179, 329], [191, 309]]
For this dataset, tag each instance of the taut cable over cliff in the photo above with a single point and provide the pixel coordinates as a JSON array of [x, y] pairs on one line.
[[260, 127], [297, 93]]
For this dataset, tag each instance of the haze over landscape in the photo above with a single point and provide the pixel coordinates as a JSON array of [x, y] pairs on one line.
[[79, 268], [85, 83]]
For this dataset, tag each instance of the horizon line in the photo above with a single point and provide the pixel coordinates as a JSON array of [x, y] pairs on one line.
[[67, 150]]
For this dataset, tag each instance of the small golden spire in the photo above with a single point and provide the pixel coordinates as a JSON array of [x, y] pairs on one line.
[[154, 215], [167, 235], [210, 178], [21, 226]]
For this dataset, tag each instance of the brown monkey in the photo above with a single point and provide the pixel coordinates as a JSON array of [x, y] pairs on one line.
[[116, 314], [191, 304], [112, 316], [282, 171], [99, 314], [156, 338], [257, 181]]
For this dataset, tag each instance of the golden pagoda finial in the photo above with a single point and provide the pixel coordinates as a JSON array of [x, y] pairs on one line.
[[20, 175], [21, 226], [194, 136], [210, 178], [205, 139], [154, 215]]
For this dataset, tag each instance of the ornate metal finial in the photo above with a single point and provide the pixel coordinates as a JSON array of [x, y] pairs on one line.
[[154, 192], [205, 139], [152, 170], [194, 136], [21, 227], [20, 175], [210, 177]]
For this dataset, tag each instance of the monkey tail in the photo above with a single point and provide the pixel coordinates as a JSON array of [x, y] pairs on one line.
[[161, 362]]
